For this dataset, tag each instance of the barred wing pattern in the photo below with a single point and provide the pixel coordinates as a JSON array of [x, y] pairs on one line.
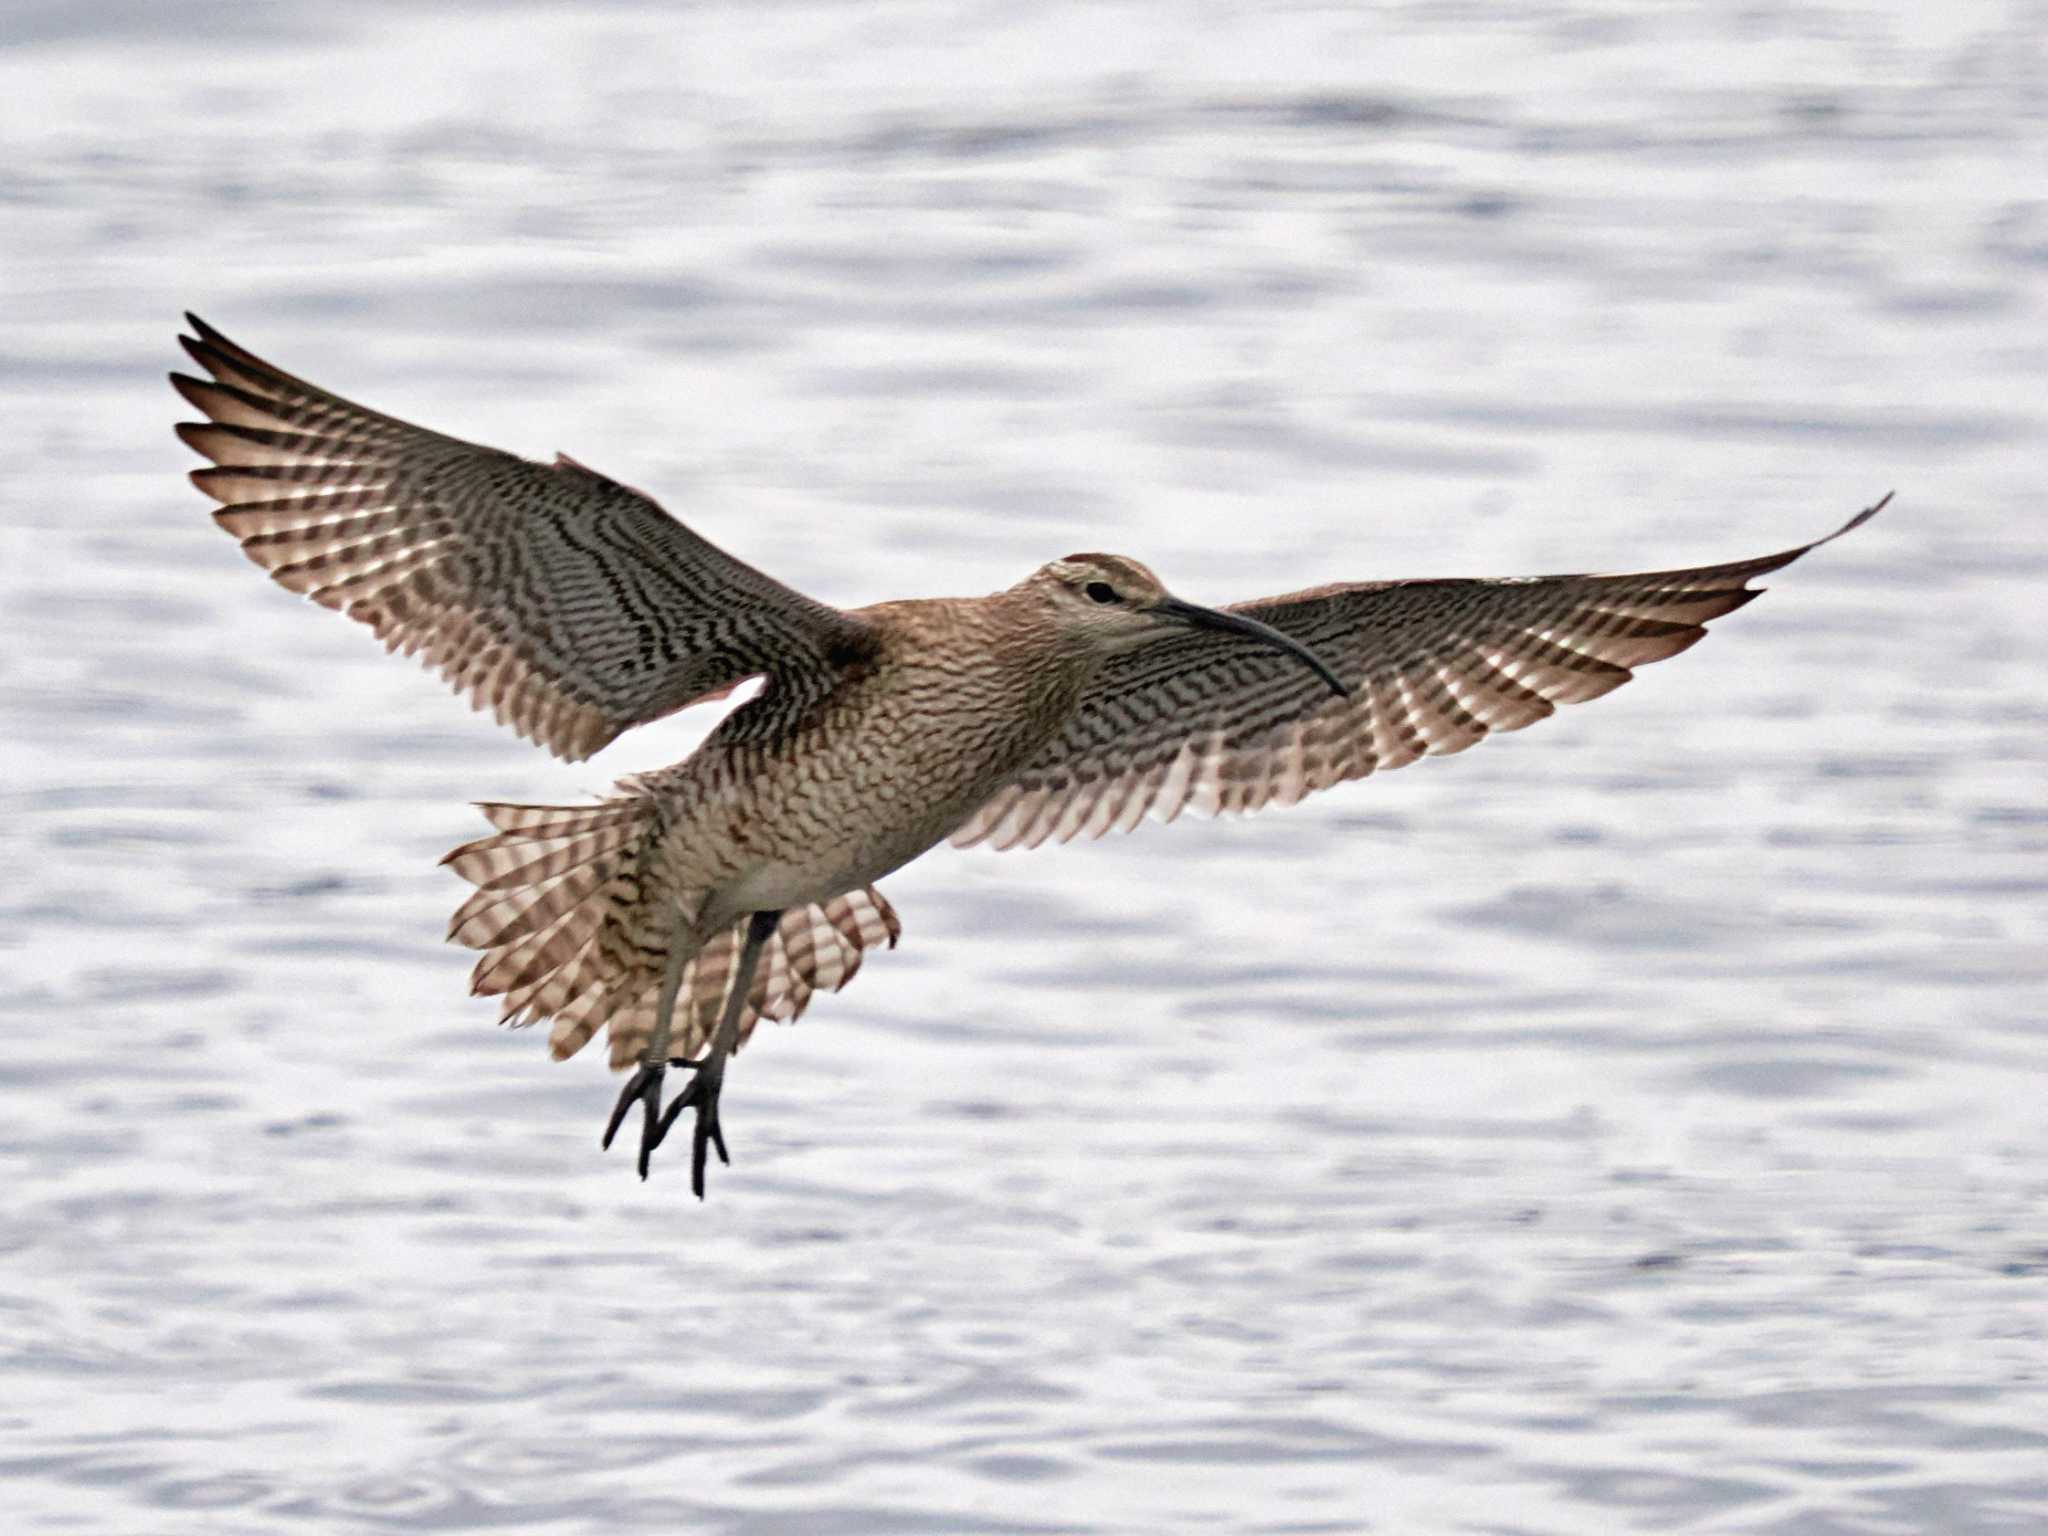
[[1206, 722], [569, 605]]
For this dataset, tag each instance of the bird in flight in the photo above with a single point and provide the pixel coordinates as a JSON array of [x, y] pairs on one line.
[[731, 887]]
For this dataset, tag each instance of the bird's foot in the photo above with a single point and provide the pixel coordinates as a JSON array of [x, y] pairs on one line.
[[644, 1086], [703, 1093]]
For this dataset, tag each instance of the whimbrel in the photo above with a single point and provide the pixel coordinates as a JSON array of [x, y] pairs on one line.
[[731, 887]]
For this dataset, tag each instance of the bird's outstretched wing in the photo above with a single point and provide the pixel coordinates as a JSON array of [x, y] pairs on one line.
[[571, 606], [1206, 722]]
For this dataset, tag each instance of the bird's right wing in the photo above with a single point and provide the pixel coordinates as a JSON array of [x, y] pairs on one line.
[[569, 605], [1205, 721]]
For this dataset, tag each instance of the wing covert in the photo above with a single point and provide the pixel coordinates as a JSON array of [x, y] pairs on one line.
[[569, 605], [1203, 722]]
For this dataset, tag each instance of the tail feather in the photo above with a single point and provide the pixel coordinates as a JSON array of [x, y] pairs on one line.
[[494, 917], [511, 860], [556, 821], [560, 913], [547, 948]]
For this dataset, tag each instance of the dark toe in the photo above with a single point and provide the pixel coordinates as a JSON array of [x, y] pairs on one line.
[[645, 1081]]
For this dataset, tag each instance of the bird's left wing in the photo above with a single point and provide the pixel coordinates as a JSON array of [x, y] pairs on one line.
[[1205, 722], [569, 605]]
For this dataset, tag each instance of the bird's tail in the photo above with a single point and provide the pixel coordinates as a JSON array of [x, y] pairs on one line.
[[574, 925]]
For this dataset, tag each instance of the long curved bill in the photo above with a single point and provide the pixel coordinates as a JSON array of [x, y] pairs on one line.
[[1237, 624]]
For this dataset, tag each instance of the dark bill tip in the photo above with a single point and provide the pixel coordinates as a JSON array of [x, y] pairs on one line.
[[1237, 624]]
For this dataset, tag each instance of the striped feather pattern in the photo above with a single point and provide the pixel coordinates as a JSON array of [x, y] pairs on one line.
[[1205, 722], [568, 605], [558, 892]]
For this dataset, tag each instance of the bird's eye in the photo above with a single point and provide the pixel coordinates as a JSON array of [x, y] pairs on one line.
[[1101, 591]]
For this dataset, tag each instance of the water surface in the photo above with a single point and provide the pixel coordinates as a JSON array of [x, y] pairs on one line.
[[1633, 1124]]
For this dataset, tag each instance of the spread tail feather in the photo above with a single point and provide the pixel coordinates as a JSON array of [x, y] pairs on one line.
[[559, 913]]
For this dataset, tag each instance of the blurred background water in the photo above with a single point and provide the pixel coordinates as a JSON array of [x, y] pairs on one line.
[[1633, 1124]]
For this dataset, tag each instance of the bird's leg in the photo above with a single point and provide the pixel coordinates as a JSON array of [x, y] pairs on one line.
[[645, 1083], [710, 1067]]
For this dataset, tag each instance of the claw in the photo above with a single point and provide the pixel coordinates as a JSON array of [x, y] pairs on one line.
[[645, 1086], [703, 1094]]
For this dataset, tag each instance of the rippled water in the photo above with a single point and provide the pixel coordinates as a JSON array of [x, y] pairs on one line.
[[1634, 1124]]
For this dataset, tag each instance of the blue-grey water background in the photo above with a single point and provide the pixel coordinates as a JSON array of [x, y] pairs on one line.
[[1632, 1124]]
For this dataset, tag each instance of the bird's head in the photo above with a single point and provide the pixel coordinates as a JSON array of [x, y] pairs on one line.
[[1111, 604]]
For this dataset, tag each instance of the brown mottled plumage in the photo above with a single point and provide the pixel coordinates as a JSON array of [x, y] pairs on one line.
[[1081, 700]]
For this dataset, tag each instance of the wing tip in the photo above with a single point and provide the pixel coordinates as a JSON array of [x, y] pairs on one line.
[[203, 332], [195, 393], [1858, 520], [213, 351], [1742, 597], [197, 349]]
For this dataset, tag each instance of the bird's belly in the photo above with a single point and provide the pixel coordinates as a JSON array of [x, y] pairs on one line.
[[754, 854], [775, 884], [856, 849], [861, 791]]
